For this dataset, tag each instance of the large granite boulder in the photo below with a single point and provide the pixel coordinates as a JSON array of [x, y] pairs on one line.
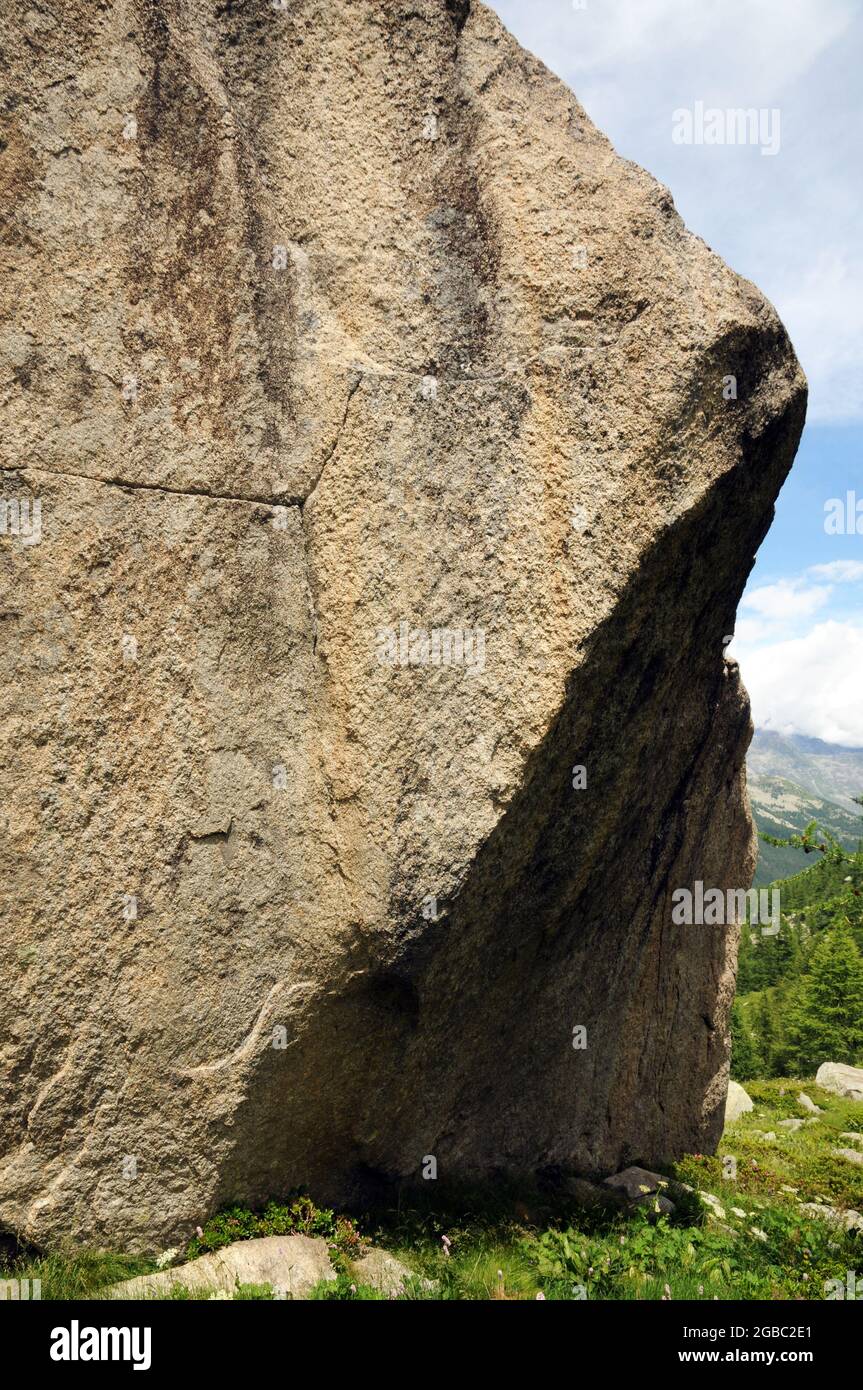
[[398, 454]]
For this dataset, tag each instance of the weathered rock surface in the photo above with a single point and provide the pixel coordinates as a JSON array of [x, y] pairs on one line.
[[636, 1182], [852, 1155], [318, 322], [808, 1103], [841, 1080], [738, 1102], [850, 1220], [382, 1271], [291, 1265]]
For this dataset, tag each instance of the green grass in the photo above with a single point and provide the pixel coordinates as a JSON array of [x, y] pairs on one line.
[[70, 1274], [511, 1241], [298, 1216]]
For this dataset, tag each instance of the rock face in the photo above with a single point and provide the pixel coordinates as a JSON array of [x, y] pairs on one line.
[[397, 450]]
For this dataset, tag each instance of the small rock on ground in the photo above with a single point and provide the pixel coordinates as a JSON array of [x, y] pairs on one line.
[[292, 1265], [382, 1271], [808, 1104], [636, 1182], [737, 1102], [851, 1220]]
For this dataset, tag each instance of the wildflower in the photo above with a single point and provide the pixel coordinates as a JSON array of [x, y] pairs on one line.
[[540, 1298], [199, 1233], [761, 1235], [446, 1243], [167, 1257]]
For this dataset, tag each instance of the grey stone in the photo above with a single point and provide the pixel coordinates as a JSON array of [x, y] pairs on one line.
[[841, 1080], [292, 1265], [809, 1104], [636, 1182], [737, 1102], [850, 1220], [382, 1271], [852, 1155]]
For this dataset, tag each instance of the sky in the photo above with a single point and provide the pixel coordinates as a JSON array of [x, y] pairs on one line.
[[785, 211]]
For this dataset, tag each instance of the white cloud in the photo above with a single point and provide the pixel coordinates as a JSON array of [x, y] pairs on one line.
[[821, 301], [777, 610], [839, 571], [787, 599], [809, 685], [767, 43]]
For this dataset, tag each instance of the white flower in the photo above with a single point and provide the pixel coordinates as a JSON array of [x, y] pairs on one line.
[[220, 1296], [761, 1235], [167, 1257], [738, 1211]]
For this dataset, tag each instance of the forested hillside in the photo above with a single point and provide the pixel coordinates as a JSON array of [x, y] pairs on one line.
[[800, 993]]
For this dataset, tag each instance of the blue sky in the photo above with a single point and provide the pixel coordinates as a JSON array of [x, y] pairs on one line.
[[791, 222]]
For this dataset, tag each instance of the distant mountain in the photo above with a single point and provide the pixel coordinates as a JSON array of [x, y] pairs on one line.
[[825, 769], [794, 780]]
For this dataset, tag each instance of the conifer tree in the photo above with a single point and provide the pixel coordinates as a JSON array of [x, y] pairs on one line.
[[825, 1017]]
